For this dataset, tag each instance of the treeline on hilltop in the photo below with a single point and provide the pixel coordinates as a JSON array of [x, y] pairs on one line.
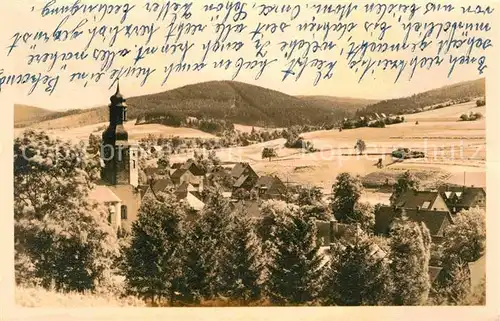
[[438, 98], [174, 256]]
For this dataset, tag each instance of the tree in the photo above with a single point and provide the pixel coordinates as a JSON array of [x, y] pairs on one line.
[[269, 152], [406, 182], [241, 263], [163, 162], [59, 232], [205, 239], [357, 275], [311, 202], [294, 271], [466, 238], [410, 244], [153, 262], [345, 194], [241, 194], [360, 146]]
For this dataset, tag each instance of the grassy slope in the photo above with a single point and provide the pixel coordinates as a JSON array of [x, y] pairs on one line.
[[25, 115]]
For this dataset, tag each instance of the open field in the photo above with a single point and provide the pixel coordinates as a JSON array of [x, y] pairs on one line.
[[135, 132], [451, 148]]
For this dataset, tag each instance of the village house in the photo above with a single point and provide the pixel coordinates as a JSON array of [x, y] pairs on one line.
[[459, 198], [435, 220], [244, 176], [190, 173], [424, 200], [270, 187]]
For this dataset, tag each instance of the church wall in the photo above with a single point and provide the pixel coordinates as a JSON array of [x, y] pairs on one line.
[[129, 198]]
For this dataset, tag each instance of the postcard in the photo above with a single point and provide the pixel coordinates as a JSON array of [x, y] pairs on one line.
[[249, 159]]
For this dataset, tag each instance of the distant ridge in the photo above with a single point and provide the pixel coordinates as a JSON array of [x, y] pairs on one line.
[[252, 105], [459, 91], [229, 100]]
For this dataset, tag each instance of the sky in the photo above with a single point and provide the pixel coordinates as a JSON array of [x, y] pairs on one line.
[[343, 83]]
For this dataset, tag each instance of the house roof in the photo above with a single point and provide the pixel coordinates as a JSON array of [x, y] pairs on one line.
[[383, 219], [463, 195], [161, 185], [414, 199], [434, 273], [194, 202], [251, 207], [178, 173], [240, 181], [240, 169], [102, 194], [266, 181], [434, 220]]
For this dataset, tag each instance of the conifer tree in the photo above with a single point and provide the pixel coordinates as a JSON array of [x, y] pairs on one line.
[[294, 271], [206, 237], [153, 261], [410, 244], [241, 262], [358, 274]]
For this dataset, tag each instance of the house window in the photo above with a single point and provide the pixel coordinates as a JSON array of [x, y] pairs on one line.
[[426, 205], [133, 163], [124, 212]]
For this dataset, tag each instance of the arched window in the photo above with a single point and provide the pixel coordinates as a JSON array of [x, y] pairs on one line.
[[124, 212]]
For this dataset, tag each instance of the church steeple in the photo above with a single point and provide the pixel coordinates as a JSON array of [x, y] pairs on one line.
[[117, 117]]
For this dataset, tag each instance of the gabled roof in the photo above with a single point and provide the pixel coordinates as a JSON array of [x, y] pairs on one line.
[[239, 182], [161, 185], [178, 173], [240, 169], [414, 199], [434, 220], [102, 194], [463, 195], [194, 202]]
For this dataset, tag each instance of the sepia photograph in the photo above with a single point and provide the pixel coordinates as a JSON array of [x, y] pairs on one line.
[[225, 194], [249, 160]]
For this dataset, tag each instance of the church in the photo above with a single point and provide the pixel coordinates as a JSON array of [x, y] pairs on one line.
[[119, 186]]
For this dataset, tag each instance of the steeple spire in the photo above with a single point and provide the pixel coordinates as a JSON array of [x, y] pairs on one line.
[[117, 99]]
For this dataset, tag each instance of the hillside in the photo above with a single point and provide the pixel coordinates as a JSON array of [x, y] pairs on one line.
[[233, 101], [25, 115], [457, 92], [348, 104]]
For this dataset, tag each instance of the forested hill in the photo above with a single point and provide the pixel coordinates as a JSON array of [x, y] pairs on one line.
[[232, 101], [239, 103], [453, 93]]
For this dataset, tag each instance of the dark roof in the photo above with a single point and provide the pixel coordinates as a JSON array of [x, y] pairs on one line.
[[383, 219], [178, 173], [465, 196], [434, 220], [142, 189], [251, 207], [161, 184], [414, 199], [240, 181], [239, 169], [266, 181]]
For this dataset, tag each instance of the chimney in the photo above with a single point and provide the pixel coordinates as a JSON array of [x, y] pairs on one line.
[[418, 208]]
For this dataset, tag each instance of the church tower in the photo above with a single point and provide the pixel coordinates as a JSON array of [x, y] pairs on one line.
[[119, 156]]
